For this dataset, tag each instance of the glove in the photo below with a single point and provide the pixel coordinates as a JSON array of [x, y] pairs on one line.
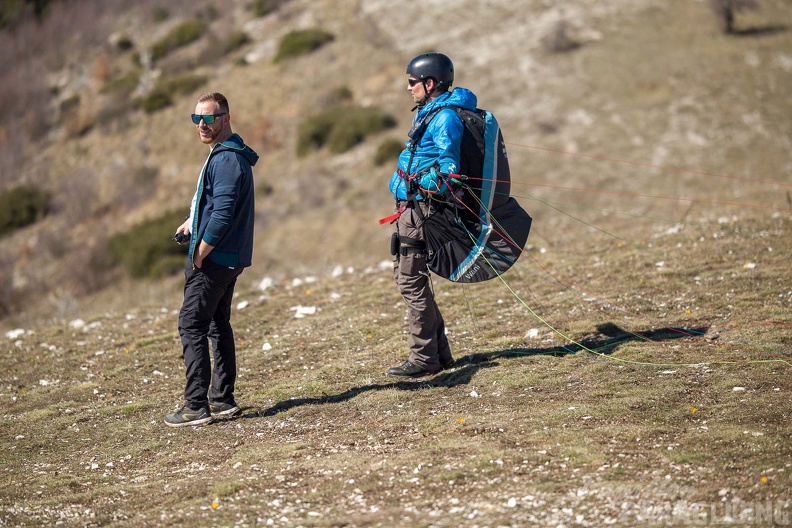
[[431, 180]]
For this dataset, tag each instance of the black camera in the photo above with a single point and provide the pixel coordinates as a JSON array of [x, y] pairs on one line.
[[181, 238]]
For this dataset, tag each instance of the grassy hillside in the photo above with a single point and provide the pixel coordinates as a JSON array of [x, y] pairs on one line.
[[633, 369]]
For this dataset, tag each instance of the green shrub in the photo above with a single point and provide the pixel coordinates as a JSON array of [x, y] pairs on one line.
[[123, 85], [162, 94], [146, 249], [236, 40], [160, 14], [301, 42], [388, 151], [182, 84], [341, 128], [22, 206], [125, 44], [181, 35], [70, 103], [265, 7], [153, 102]]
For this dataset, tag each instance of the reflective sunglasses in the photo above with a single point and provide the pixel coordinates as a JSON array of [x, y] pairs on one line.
[[208, 119], [413, 82]]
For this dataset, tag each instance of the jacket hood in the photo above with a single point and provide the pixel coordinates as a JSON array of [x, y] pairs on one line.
[[461, 97], [236, 144]]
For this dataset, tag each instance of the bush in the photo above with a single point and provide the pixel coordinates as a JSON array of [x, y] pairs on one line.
[[236, 40], [162, 94], [22, 206], [265, 7], [302, 42], [146, 250], [388, 151], [181, 84], [181, 35], [341, 128], [123, 85], [160, 14], [153, 102], [125, 44]]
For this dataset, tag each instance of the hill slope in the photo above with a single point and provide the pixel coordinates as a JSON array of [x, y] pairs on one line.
[[632, 369]]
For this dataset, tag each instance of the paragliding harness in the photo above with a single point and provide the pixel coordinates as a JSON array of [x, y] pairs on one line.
[[474, 231]]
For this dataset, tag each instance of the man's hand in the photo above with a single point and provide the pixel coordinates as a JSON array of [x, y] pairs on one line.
[[184, 231], [201, 252]]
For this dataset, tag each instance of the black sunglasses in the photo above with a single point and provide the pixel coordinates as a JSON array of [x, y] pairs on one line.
[[208, 119], [413, 82]]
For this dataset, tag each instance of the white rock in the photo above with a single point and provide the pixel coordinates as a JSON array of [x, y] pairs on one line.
[[242, 305], [77, 323], [266, 346], [738, 389], [533, 333], [338, 271], [474, 394], [265, 283], [301, 311], [13, 334]]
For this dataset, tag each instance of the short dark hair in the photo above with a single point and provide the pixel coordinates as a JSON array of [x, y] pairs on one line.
[[218, 98]]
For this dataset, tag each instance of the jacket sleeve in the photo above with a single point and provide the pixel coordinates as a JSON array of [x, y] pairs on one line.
[[226, 175], [445, 131]]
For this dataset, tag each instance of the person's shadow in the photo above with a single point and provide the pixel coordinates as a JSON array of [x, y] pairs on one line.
[[609, 339]]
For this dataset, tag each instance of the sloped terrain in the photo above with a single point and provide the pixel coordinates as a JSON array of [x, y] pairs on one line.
[[633, 369]]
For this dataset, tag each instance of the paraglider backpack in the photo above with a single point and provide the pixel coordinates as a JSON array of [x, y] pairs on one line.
[[478, 231]]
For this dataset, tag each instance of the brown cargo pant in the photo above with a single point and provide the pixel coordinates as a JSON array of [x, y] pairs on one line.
[[428, 342]]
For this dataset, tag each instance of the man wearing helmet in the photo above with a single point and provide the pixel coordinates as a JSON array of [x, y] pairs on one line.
[[434, 149]]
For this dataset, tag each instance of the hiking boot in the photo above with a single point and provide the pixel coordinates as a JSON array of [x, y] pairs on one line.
[[223, 409], [410, 370], [446, 363], [187, 416]]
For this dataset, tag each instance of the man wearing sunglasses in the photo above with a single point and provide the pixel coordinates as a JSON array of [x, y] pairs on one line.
[[219, 232], [436, 138]]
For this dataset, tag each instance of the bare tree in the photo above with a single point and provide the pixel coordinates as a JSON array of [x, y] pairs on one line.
[[726, 10]]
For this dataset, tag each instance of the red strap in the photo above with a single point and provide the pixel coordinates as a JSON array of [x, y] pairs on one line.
[[392, 218]]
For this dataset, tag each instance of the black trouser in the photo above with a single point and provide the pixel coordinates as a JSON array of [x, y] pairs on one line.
[[206, 314]]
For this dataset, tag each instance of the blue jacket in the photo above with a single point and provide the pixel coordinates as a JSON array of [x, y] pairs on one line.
[[440, 142], [225, 204]]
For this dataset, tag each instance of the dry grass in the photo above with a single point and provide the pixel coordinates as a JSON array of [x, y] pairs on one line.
[[637, 372], [523, 431]]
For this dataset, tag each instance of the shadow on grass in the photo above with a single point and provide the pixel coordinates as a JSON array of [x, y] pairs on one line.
[[759, 31], [611, 337]]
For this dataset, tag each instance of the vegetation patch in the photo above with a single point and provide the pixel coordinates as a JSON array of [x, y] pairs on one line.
[[341, 128], [168, 89], [265, 7], [302, 42], [388, 151], [22, 206], [182, 35], [236, 40], [146, 249]]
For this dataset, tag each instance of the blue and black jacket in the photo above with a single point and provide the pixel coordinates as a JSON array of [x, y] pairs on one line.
[[224, 212], [438, 146]]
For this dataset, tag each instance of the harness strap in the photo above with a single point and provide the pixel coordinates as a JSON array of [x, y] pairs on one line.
[[408, 245], [395, 216]]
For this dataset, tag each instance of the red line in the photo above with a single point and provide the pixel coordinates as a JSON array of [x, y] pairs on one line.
[[662, 167]]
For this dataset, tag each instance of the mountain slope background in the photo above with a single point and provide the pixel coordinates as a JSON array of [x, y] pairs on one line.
[[633, 369], [651, 83]]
